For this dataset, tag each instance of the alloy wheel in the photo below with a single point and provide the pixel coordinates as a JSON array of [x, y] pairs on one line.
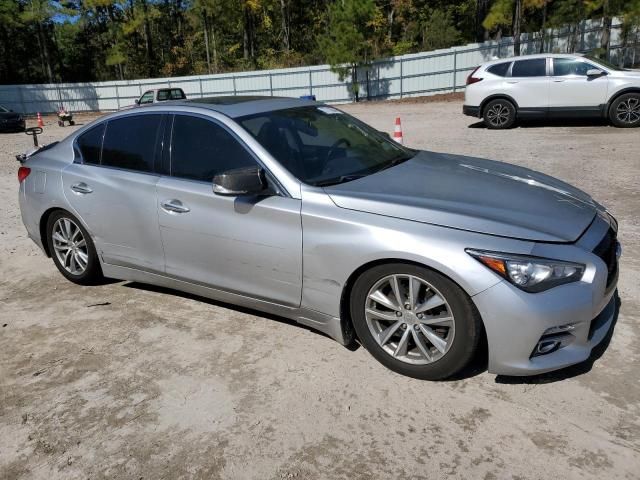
[[628, 111], [409, 319], [70, 246], [498, 115]]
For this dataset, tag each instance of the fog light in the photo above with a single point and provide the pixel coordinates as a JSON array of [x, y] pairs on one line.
[[547, 346]]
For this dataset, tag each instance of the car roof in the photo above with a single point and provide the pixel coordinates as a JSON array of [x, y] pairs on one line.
[[235, 106], [532, 56]]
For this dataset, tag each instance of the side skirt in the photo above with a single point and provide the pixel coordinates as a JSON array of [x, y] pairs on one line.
[[327, 324]]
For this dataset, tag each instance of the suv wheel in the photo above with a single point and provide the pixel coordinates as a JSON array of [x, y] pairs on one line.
[[415, 321], [625, 111], [499, 114]]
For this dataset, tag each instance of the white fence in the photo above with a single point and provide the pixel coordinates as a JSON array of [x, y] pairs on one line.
[[440, 71]]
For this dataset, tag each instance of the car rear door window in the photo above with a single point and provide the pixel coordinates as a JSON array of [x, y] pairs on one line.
[[563, 67], [201, 149], [499, 69], [130, 142], [90, 145], [534, 67]]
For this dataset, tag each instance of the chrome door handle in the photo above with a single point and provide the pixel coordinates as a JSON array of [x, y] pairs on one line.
[[81, 188], [174, 206], [512, 81], [559, 80]]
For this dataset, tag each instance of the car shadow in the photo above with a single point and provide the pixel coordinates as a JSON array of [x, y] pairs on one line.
[[552, 122], [249, 311], [572, 371]]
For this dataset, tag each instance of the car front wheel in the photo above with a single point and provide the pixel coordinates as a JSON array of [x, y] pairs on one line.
[[625, 111], [415, 321], [499, 114], [72, 249]]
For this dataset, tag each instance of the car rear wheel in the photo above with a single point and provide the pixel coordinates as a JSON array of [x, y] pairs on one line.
[[499, 114], [72, 249], [625, 111], [415, 321]]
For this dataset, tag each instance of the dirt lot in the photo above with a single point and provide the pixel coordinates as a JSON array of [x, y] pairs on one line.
[[123, 381]]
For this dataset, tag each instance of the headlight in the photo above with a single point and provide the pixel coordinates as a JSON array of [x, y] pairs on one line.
[[531, 274]]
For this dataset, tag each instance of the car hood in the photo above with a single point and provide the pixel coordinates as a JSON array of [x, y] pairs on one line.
[[472, 194]]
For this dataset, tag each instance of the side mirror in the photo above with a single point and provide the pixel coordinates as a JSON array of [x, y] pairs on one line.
[[240, 181], [595, 72], [137, 101]]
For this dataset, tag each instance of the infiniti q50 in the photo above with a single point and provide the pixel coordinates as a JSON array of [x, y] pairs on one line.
[[296, 208]]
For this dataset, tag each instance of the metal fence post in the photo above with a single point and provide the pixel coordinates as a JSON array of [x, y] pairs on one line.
[[234, 85], [401, 89], [310, 83], [117, 97], [201, 94], [270, 84], [455, 69]]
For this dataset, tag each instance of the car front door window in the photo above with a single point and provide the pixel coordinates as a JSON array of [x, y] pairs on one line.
[[146, 98], [201, 149]]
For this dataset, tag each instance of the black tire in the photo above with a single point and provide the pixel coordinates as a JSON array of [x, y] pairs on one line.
[[92, 273], [624, 111], [499, 114], [467, 321]]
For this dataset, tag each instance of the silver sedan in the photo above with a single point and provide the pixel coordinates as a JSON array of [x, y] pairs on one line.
[[295, 208]]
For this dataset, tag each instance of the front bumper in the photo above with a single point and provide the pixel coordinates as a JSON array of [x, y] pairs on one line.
[[516, 321], [471, 111]]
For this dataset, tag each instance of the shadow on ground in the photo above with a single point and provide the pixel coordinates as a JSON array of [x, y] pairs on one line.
[[249, 311], [553, 122]]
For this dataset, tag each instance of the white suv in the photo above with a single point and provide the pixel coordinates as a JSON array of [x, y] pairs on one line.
[[539, 86]]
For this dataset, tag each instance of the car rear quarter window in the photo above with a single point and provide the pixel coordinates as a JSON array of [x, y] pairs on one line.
[[201, 149], [499, 69], [534, 67], [130, 142], [90, 144]]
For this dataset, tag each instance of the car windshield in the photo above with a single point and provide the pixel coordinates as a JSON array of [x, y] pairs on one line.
[[323, 146], [605, 63]]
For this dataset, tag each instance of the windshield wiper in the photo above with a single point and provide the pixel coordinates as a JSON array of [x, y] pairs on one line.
[[336, 181], [394, 162]]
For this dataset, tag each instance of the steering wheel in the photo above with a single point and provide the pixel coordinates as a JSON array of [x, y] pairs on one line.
[[333, 148]]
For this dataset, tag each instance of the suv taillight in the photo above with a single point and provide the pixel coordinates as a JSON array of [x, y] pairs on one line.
[[471, 79], [23, 172]]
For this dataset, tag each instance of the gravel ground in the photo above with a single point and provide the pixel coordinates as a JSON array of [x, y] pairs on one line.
[[125, 381]]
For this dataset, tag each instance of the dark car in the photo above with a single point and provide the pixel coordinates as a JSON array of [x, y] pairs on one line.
[[10, 120]]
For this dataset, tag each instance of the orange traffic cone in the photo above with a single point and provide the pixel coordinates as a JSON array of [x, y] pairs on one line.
[[397, 133], [40, 122]]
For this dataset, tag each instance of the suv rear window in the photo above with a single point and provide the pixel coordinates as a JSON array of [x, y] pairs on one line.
[[130, 142], [499, 69], [534, 67]]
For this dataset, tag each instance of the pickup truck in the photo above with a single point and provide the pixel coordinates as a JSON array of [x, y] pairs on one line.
[[158, 95]]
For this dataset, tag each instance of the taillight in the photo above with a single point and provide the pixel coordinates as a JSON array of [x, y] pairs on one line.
[[23, 172], [471, 79]]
